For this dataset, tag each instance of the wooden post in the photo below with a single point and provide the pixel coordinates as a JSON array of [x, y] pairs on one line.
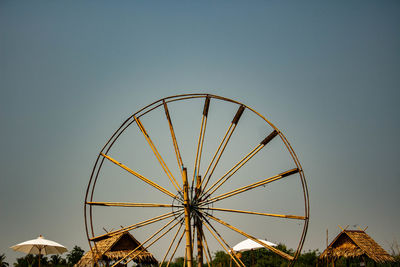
[[189, 248], [199, 227], [199, 244]]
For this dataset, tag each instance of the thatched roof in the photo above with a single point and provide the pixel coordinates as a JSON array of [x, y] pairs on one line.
[[355, 243], [114, 248]]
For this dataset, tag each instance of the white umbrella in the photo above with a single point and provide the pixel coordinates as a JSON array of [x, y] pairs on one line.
[[40, 246], [249, 244]]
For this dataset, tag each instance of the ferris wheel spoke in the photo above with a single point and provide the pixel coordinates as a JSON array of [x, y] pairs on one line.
[[157, 154], [240, 164], [129, 204], [147, 240], [176, 248], [232, 171], [174, 141], [141, 177], [207, 251], [222, 145], [275, 250], [162, 235], [286, 216], [251, 186], [154, 220], [139, 224], [200, 142], [171, 244], [223, 243]]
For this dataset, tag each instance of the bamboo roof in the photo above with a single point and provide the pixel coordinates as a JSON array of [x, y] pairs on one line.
[[116, 247], [355, 243]]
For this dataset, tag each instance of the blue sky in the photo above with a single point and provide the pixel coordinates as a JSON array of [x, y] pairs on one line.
[[326, 74]]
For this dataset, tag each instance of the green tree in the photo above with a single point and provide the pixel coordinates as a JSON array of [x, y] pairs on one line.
[[75, 255], [221, 259], [264, 257], [57, 260], [44, 261], [395, 251], [26, 261], [178, 262], [31, 261], [3, 263], [309, 258]]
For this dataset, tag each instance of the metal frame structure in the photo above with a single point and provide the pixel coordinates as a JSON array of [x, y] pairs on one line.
[[192, 203]]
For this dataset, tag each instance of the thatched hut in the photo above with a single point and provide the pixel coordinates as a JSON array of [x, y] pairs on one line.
[[115, 247], [355, 244]]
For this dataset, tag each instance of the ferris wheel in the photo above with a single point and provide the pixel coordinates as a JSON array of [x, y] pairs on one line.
[[188, 174]]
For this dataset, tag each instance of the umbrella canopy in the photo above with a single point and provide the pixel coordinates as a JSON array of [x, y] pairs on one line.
[[249, 244], [40, 246]]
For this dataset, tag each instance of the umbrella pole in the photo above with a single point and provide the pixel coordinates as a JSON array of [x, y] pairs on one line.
[[40, 252]]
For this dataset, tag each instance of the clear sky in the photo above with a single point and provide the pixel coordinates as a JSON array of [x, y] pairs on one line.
[[325, 73]]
